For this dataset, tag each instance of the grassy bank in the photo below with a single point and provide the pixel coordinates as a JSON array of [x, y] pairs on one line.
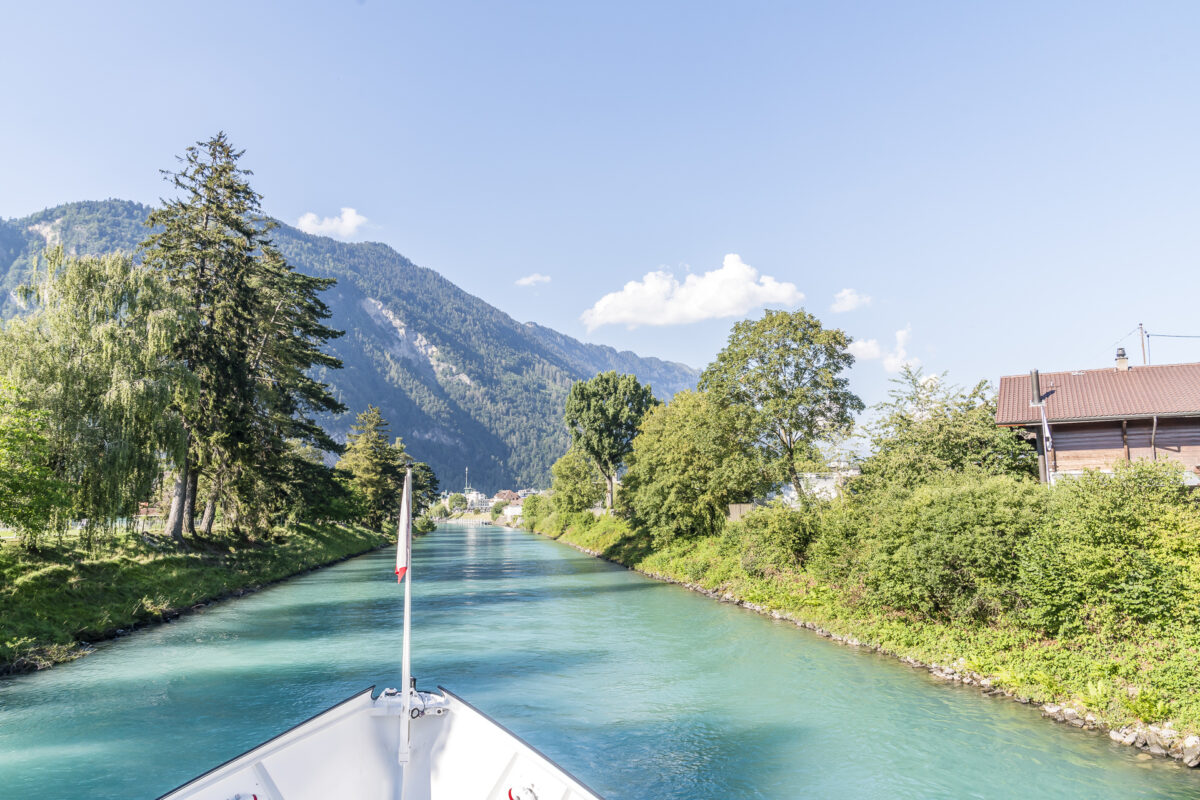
[[55, 601], [1120, 678]]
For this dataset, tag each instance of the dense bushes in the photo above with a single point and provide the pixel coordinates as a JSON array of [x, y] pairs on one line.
[[772, 539], [1115, 549], [950, 548]]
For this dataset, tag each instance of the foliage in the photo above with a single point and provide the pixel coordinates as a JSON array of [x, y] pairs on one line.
[[950, 548], [929, 426], [690, 461], [31, 498], [94, 356], [456, 501], [424, 485], [1116, 548], [251, 332], [532, 510], [498, 509], [375, 467], [603, 415], [771, 539], [578, 484], [786, 370]]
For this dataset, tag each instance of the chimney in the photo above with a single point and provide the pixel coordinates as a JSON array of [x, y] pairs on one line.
[[1035, 385], [1122, 361]]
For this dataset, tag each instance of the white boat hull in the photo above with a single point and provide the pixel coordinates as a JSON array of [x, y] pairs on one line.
[[352, 751]]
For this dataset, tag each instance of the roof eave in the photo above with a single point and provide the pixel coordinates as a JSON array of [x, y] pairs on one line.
[[1110, 418]]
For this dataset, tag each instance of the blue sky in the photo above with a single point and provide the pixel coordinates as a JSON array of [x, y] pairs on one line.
[[1012, 185]]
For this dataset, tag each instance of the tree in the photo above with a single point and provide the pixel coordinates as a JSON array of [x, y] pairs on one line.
[[30, 495], [578, 485], [424, 486], [374, 466], [456, 502], [532, 508], [787, 370], [692, 459], [250, 332], [603, 415], [95, 358], [928, 426]]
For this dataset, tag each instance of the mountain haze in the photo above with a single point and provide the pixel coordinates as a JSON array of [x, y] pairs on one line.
[[462, 382]]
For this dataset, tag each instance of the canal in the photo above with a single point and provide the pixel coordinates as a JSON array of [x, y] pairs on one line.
[[641, 689]]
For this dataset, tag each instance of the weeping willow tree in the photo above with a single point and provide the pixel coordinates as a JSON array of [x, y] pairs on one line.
[[95, 359]]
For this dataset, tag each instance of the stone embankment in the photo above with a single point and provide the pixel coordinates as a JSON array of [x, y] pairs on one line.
[[1157, 740]]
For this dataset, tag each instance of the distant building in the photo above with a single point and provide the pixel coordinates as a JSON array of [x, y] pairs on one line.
[[1093, 419], [476, 500]]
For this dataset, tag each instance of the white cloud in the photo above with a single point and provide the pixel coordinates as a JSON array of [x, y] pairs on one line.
[[660, 299], [868, 349], [848, 300], [342, 226], [533, 280], [898, 358], [864, 349]]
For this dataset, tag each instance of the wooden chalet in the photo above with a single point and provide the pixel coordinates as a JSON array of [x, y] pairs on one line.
[[1093, 419]]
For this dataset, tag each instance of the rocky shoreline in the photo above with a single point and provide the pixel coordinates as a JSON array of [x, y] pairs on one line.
[[1156, 740]]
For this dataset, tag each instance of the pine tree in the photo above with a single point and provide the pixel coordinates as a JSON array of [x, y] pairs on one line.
[[252, 328], [374, 466]]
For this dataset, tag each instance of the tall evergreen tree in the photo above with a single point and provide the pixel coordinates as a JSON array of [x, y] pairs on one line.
[[252, 327], [374, 466]]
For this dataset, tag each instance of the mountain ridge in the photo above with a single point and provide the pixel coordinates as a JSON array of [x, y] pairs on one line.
[[464, 383]]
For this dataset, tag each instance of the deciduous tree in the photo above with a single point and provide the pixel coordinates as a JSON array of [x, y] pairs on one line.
[[578, 485], [693, 457], [788, 371], [603, 415]]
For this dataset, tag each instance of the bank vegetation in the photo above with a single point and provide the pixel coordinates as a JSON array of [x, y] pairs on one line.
[[945, 549]]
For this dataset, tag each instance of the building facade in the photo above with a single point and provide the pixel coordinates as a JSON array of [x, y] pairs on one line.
[[1094, 419]]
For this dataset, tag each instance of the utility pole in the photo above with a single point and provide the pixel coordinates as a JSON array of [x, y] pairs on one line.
[[1142, 336]]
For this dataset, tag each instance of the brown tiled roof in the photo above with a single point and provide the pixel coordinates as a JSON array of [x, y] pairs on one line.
[[1167, 390]]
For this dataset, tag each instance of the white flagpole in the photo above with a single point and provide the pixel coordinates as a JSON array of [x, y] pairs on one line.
[[405, 666]]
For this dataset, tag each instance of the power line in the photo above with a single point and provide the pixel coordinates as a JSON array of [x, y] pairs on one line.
[[1123, 338], [1174, 335]]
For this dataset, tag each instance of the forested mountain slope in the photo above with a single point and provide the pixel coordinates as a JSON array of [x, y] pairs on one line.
[[463, 383]]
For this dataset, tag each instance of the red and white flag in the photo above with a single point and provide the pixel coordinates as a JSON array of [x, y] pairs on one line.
[[404, 535]]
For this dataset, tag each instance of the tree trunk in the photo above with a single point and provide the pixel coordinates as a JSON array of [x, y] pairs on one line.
[[189, 502], [174, 527], [610, 497], [214, 496], [210, 510]]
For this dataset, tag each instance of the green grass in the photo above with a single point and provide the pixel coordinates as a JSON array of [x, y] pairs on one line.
[[54, 601], [1092, 672]]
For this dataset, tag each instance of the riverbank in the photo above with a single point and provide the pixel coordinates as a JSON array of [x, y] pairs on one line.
[[1072, 681], [56, 602]]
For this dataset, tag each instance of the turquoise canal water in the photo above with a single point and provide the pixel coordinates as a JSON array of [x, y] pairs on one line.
[[641, 689]]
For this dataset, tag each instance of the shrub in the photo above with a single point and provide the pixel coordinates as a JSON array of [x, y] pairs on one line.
[[1116, 548], [949, 549], [772, 539]]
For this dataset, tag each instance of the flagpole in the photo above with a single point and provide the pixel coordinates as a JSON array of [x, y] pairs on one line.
[[405, 536]]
